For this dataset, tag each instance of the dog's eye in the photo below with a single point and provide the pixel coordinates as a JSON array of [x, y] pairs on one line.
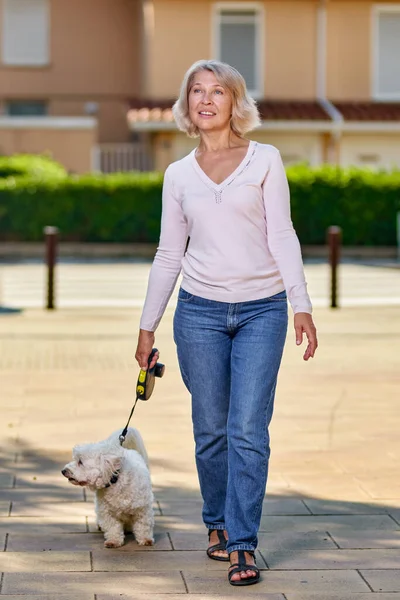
[[80, 463]]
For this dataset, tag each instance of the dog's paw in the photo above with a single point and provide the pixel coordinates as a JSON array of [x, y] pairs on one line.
[[146, 542], [113, 544]]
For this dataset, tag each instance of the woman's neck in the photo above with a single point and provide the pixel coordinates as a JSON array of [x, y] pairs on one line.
[[218, 140]]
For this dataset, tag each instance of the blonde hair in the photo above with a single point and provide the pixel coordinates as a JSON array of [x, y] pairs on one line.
[[245, 116]]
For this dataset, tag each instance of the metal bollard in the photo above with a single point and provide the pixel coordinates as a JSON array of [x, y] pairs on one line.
[[51, 237], [334, 243]]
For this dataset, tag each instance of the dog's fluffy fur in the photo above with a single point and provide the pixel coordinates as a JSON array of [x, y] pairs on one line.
[[127, 504]]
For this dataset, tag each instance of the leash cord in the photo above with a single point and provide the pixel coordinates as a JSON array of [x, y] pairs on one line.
[[125, 430]]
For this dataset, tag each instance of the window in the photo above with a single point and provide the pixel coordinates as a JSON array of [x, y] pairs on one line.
[[387, 52], [25, 32], [26, 108], [238, 40]]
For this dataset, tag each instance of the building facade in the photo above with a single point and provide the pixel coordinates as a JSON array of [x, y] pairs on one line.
[[101, 76]]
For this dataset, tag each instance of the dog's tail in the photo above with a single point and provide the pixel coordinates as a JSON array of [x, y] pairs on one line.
[[134, 441]]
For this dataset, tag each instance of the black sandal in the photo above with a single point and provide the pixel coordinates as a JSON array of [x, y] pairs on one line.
[[242, 566], [220, 546]]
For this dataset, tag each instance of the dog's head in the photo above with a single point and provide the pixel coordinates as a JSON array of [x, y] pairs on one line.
[[93, 465]]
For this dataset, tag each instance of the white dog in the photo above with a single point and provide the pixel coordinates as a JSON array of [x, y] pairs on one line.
[[120, 478]]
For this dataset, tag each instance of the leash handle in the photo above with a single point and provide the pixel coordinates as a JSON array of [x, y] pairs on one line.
[[139, 393]]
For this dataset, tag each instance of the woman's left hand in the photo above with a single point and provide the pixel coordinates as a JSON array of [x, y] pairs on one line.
[[303, 323]]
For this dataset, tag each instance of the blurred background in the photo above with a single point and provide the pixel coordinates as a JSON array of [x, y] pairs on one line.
[[92, 82], [86, 127]]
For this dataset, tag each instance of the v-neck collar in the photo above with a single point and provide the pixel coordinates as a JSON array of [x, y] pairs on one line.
[[218, 186]]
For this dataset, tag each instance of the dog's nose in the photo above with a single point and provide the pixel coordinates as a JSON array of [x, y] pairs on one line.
[[64, 472]]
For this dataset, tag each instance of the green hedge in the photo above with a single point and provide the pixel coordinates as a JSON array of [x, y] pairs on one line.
[[25, 165], [127, 207], [91, 208], [363, 202]]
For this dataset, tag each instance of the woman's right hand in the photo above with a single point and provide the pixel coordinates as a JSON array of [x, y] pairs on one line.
[[144, 348]]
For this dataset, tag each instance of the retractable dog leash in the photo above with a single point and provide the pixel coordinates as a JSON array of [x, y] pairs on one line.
[[144, 387]]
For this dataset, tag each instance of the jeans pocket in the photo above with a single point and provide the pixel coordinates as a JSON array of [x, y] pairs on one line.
[[184, 296], [280, 297]]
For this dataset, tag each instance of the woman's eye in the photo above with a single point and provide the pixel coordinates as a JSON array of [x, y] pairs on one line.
[[196, 90], [219, 92]]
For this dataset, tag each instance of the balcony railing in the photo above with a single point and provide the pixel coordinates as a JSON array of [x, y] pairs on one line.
[[115, 158]]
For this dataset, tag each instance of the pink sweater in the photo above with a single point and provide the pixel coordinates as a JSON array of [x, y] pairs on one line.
[[242, 243]]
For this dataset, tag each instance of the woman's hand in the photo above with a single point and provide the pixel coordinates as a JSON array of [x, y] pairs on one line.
[[303, 323], [144, 348]]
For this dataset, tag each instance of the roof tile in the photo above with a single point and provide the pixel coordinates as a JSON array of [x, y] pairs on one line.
[[143, 110], [369, 111]]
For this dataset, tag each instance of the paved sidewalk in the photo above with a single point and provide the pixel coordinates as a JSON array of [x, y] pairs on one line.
[[331, 524]]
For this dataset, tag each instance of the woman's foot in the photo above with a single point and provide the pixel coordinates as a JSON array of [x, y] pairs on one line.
[[215, 539], [246, 574]]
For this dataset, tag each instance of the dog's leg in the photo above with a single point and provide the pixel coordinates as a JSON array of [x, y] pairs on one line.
[[113, 533], [143, 525], [98, 513]]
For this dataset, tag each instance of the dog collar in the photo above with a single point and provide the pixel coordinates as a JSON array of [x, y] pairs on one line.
[[113, 479]]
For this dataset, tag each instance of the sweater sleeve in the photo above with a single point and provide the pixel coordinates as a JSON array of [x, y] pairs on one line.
[[167, 261], [282, 239]]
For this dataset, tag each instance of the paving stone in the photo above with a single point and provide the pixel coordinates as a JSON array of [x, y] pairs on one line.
[[284, 506], [332, 559], [187, 597], [95, 583], [394, 513], [78, 596], [342, 596], [79, 541], [30, 525], [71, 494], [279, 582], [341, 487], [165, 561], [383, 581], [367, 539], [382, 487], [311, 462], [20, 562], [326, 507], [40, 480], [327, 523], [4, 508], [6, 480], [73, 362], [284, 540], [170, 524], [54, 509], [178, 494]]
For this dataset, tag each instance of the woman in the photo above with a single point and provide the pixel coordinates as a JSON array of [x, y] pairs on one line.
[[226, 223]]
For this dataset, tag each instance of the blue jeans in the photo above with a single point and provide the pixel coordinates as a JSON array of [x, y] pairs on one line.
[[229, 356]]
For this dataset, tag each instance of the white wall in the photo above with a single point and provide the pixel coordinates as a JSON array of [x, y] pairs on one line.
[[370, 150], [294, 147]]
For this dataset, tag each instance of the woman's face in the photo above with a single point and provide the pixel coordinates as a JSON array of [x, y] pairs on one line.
[[210, 104]]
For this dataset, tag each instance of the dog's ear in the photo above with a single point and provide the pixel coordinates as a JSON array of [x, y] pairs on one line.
[[110, 464], [78, 450]]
